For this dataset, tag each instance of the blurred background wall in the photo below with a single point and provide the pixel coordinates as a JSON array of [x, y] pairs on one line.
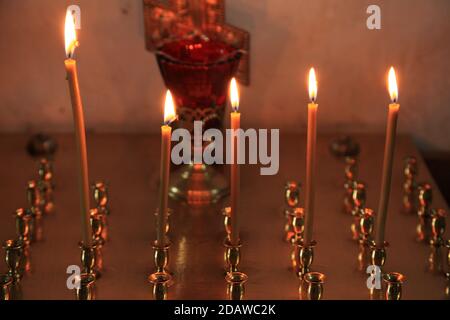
[[123, 91]]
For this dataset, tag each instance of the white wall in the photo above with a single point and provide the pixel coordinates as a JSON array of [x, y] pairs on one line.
[[123, 91]]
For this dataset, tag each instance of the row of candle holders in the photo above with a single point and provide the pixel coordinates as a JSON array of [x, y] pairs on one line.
[[302, 256], [430, 230], [91, 255], [29, 230], [362, 229], [161, 279], [29, 227]]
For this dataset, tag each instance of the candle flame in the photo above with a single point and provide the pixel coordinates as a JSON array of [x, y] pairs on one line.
[[234, 95], [393, 88], [169, 109], [70, 35], [312, 85]]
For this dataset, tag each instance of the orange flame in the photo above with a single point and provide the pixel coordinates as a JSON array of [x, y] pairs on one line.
[[169, 109], [312, 85], [234, 95], [393, 88], [70, 35]]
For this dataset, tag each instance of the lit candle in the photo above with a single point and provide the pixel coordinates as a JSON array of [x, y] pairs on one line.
[[389, 147], [235, 176], [310, 159], [80, 135], [166, 136]]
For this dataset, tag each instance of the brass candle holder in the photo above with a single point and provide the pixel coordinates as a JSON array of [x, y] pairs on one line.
[[226, 212], [86, 289], [161, 282], [13, 258], [378, 259], [232, 255], [37, 228], [43, 148], [46, 186], [350, 184], [161, 279], [97, 220], [298, 227], [311, 287], [89, 259], [410, 185], [292, 200], [6, 282], [304, 255], [365, 230], [236, 285], [345, 147], [24, 225], [378, 254], [437, 243], [425, 197], [394, 283], [101, 198], [358, 211], [161, 257]]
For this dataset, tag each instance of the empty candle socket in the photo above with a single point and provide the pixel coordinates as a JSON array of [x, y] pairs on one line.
[[311, 286], [160, 282], [24, 225], [236, 285], [410, 185], [425, 197], [98, 224], [304, 255], [13, 257], [394, 285], [378, 254], [46, 186]]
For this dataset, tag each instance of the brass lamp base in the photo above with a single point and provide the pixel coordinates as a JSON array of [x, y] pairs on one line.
[[198, 184]]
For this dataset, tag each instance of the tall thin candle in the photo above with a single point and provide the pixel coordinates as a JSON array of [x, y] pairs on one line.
[[235, 174], [166, 136], [310, 159], [80, 134], [389, 148]]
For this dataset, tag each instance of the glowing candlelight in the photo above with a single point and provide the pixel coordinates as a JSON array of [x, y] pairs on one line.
[[235, 174], [166, 136], [310, 158], [71, 43], [388, 158]]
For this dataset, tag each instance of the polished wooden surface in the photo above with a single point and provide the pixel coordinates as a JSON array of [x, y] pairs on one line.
[[129, 163]]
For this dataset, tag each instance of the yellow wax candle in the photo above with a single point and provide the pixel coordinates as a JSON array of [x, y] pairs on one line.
[[310, 159], [166, 136], [80, 134], [235, 174], [388, 159]]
